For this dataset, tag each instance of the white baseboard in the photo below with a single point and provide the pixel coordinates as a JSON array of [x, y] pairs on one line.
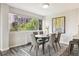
[[4, 49], [14, 46]]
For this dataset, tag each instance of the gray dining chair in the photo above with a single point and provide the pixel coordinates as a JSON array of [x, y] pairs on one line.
[[41, 32], [51, 42], [57, 41], [34, 44], [35, 33]]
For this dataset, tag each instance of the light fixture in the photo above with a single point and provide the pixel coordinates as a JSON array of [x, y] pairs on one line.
[[45, 5]]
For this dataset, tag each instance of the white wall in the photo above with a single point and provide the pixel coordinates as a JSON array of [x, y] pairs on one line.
[[4, 27], [71, 24], [7, 38], [0, 25]]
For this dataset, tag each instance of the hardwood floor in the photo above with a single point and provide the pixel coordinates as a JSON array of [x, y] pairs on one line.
[[24, 51]]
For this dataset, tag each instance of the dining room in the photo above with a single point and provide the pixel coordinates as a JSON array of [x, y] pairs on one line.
[[37, 30]]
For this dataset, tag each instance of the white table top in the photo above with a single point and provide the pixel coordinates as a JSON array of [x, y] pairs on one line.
[[41, 35]]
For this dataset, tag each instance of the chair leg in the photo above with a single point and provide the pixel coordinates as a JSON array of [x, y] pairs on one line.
[[59, 45], [31, 47], [54, 47], [37, 48], [49, 50]]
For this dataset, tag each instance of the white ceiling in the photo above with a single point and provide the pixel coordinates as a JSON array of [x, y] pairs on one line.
[[53, 8]]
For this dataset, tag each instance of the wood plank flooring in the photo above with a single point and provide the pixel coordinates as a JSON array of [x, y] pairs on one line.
[[24, 51]]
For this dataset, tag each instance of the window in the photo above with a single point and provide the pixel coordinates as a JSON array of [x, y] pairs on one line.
[[23, 23]]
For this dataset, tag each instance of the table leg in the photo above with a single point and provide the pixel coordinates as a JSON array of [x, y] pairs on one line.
[[43, 48]]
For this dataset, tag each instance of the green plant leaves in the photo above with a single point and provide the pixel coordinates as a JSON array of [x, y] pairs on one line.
[[31, 25]]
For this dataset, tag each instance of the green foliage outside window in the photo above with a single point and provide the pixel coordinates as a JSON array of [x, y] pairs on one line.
[[31, 25]]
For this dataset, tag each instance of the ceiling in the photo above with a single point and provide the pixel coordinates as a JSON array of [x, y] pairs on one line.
[[53, 8]]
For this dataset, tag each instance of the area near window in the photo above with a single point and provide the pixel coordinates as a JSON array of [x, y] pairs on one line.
[[24, 23]]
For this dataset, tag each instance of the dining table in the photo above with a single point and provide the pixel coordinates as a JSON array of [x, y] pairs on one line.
[[44, 38]]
